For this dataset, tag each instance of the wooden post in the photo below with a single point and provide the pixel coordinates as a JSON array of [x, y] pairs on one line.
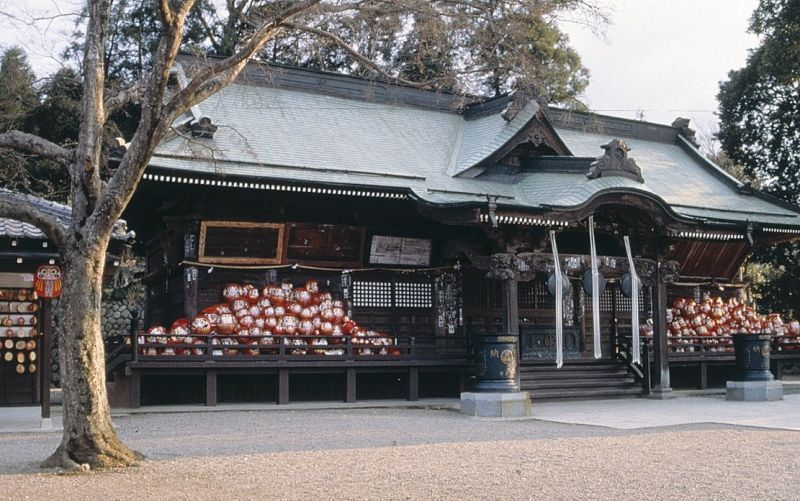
[[350, 385], [614, 321], [190, 280], [703, 375], [413, 384], [211, 387], [44, 361], [135, 390], [661, 383], [283, 386], [510, 310]]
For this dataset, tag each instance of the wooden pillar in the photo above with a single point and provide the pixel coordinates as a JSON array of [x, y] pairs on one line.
[[134, 390], [350, 385], [510, 308], [614, 321], [283, 386], [211, 387], [45, 364], [413, 384], [661, 383], [703, 375]]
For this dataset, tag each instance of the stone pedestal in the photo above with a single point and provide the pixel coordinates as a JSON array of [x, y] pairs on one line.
[[47, 424], [661, 394], [754, 391], [498, 405]]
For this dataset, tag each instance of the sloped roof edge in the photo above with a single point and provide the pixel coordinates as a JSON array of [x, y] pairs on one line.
[[12, 228]]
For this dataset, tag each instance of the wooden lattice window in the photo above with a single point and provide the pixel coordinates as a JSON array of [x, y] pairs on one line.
[[240, 242], [387, 294], [413, 295], [372, 294]]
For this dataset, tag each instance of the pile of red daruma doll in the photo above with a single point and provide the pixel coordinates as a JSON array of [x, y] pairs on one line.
[[254, 321], [713, 320]]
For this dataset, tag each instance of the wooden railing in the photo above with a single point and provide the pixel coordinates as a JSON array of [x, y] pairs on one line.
[[700, 344], [300, 348]]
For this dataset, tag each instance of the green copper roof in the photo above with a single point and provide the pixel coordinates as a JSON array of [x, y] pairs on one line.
[[438, 153]]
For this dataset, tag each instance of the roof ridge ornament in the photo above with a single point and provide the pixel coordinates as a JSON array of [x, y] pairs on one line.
[[615, 162], [518, 100], [686, 132], [203, 128]]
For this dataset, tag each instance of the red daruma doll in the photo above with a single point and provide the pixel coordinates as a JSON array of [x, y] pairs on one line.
[[48, 281]]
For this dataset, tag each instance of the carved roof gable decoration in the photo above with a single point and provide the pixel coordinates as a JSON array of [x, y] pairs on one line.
[[615, 162]]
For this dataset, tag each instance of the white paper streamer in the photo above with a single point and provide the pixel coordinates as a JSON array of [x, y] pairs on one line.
[[635, 285], [595, 290], [559, 303]]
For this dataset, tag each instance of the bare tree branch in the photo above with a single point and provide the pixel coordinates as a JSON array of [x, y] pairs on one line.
[[119, 189], [17, 206], [214, 76], [125, 96], [360, 57], [30, 143]]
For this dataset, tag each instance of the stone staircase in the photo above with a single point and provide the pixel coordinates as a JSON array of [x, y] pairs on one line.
[[578, 379]]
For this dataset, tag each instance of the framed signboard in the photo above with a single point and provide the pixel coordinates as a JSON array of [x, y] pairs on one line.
[[324, 245], [240, 243], [400, 251]]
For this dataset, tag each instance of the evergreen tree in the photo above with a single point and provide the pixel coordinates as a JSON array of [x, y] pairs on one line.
[[760, 130], [19, 95]]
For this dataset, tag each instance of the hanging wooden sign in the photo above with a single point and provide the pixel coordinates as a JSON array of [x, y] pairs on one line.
[[47, 282]]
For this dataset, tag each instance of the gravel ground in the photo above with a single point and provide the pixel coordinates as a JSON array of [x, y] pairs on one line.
[[413, 454]]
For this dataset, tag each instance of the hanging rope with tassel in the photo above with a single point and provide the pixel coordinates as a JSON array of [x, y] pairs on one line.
[[635, 286], [595, 291], [559, 303]]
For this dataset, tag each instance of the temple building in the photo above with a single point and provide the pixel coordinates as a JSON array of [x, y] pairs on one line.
[[385, 229]]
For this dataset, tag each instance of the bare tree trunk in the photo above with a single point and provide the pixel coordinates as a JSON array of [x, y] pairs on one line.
[[89, 437]]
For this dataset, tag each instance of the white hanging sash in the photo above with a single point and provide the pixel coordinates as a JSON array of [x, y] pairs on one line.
[[635, 285], [595, 290], [559, 303]]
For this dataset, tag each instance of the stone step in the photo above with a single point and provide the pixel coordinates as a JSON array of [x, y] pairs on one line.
[[584, 393], [568, 385], [573, 375]]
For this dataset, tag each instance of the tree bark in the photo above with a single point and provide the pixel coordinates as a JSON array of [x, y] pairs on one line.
[[89, 437]]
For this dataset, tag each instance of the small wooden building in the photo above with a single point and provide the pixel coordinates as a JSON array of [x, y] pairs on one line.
[[429, 216], [26, 334]]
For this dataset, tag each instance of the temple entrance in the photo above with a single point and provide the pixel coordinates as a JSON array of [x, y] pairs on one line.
[[536, 308]]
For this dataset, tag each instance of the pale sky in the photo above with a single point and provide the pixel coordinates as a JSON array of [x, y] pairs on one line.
[[664, 57]]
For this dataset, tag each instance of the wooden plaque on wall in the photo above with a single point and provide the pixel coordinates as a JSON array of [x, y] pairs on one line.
[[324, 245], [400, 251], [240, 243]]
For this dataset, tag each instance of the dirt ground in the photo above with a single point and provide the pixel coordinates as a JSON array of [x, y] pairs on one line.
[[413, 454]]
